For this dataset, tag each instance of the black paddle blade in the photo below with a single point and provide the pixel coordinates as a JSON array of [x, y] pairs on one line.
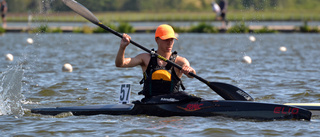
[[81, 10], [230, 92]]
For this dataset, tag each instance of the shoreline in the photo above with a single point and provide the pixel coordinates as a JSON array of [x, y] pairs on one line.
[[147, 29]]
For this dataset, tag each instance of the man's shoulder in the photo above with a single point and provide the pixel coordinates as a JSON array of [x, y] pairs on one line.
[[143, 56], [181, 59]]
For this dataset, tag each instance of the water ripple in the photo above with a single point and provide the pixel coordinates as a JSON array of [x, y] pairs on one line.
[[273, 76]]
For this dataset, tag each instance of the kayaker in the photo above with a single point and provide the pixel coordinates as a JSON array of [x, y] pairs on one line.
[[223, 4], [159, 78]]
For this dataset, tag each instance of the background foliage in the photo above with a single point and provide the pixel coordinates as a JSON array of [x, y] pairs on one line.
[[17, 6]]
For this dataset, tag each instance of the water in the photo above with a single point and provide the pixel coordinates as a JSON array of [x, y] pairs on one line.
[[35, 79]]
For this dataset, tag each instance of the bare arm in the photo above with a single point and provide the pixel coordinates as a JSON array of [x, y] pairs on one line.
[[121, 60], [186, 68]]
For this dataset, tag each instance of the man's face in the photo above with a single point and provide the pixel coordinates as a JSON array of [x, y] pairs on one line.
[[165, 45]]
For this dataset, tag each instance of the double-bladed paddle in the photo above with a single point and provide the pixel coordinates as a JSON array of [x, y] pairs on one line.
[[226, 91]]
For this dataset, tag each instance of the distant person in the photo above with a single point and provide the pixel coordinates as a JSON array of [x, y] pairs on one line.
[[216, 8], [4, 9], [220, 9], [223, 4]]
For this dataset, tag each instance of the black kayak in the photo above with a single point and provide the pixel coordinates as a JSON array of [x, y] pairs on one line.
[[203, 108]]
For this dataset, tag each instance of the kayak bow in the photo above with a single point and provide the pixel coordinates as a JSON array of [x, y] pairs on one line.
[[313, 107]]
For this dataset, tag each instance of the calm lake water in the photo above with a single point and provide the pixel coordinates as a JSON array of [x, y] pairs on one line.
[[34, 79]]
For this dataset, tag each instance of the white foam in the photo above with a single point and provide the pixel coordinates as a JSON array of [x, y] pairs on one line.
[[10, 92]]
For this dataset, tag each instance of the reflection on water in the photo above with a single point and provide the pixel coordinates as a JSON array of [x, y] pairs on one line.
[[273, 76]]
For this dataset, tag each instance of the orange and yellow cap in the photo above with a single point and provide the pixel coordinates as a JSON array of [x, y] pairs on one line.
[[164, 32]]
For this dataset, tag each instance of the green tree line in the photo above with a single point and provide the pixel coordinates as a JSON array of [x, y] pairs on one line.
[[19, 6]]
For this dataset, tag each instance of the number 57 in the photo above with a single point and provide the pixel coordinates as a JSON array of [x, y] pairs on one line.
[[124, 94]]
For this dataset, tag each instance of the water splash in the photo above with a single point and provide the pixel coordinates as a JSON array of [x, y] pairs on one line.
[[10, 92]]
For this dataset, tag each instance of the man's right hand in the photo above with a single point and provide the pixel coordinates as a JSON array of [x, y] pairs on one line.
[[125, 41]]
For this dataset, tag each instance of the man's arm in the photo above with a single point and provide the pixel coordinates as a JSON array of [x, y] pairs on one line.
[[186, 69], [121, 61]]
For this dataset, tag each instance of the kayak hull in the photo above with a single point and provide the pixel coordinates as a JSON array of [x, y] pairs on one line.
[[205, 108]]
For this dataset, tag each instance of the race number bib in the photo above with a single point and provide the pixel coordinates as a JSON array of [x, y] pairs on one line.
[[124, 94]]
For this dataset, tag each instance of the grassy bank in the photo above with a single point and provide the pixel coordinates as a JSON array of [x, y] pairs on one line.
[[288, 15], [201, 27]]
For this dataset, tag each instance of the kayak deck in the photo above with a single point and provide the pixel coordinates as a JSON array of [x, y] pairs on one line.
[[205, 108]]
